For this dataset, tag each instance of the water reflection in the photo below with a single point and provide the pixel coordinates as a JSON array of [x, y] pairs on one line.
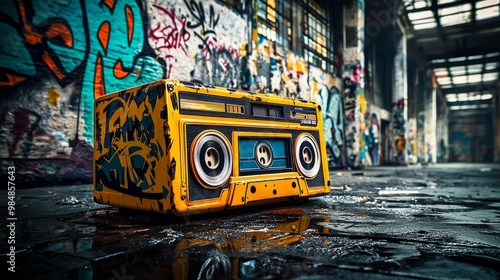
[[241, 255]]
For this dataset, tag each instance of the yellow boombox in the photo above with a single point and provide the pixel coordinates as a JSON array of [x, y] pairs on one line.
[[188, 148]]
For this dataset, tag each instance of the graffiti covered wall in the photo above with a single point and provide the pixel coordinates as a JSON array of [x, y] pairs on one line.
[[470, 137], [353, 82], [274, 69], [328, 96], [56, 57], [199, 40], [352, 95]]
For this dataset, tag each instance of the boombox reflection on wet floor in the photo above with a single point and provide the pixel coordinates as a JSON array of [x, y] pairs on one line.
[[186, 148]]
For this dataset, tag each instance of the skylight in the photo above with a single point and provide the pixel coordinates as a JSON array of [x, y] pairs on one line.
[[416, 4], [476, 68], [454, 9], [420, 4], [440, 60], [455, 19], [490, 76], [468, 97], [487, 13], [472, 69], [474, 79], [486, 3], [449, 12], [444, 81], [420, 15], [441, 73], [460, 80], [472, 57], [491, 65], [455, 59], [440, 2], [425, 25]]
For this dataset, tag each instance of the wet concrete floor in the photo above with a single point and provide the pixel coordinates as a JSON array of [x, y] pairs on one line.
[[425, 222]]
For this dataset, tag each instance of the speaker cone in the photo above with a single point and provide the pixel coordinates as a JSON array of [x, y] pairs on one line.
[[211, 159], [263, 155], [307, 156]]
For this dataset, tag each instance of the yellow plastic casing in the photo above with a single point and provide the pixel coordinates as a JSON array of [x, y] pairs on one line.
[[186, 148]]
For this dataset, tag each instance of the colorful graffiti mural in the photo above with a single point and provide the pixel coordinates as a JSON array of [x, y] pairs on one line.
[[57, 57], [199, 41], [273, 69], [98, 47], [328, 96], [470, 138], [352, 76]]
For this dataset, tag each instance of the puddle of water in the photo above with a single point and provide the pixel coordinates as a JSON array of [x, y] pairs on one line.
[[291, 246], [71, 246], [397, 192]]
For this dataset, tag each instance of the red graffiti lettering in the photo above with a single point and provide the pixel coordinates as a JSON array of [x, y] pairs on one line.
[[173, 35]]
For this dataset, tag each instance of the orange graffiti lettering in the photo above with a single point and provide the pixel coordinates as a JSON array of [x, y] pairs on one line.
[[55, 30], [62, 31], [118, 70], [31, 36], [99, 78], [110, 4], [130, 22], [103, 35], [52, 65], [12, 80]]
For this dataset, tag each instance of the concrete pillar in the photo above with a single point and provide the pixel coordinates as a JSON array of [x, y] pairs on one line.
[[398, 134], [353, 78], [430, 128], [496, 121]]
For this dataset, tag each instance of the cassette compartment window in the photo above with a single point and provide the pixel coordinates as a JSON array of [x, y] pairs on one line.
[[267, 111]]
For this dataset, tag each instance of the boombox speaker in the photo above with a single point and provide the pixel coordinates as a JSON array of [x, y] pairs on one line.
[[185, 148]]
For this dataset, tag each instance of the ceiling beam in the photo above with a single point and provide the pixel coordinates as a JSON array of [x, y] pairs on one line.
[[468, 52], [477, 87], [482, 27], [451, 4], [464, 63]]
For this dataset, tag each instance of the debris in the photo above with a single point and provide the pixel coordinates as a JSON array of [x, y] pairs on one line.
[[346, 188], [70, 200], [431, 185]]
